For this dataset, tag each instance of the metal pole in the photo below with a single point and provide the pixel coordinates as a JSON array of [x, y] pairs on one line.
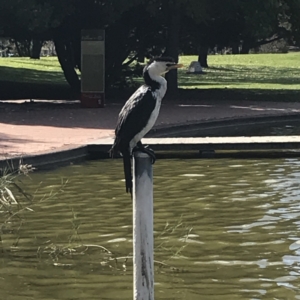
[[143, 266]]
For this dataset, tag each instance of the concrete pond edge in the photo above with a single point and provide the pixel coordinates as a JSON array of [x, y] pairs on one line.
[[74, 154]]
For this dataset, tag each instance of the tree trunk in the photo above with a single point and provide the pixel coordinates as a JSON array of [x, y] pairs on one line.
[[141, 57], [63, 50], [235, 48], [247, 45], [116, 39], [202, 58], [26, 46], [173, 45], [18, 49], [36, 49], [23, 47], [245, 48]]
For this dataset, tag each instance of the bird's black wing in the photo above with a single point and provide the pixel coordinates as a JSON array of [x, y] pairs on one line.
[[135, 114], [133, 117]]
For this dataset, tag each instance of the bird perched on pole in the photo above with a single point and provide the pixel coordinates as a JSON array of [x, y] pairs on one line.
[[140, 112]]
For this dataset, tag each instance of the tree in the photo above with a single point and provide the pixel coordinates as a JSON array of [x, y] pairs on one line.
[[291, 19], [36, 49], [236, 23], [169, 14], [160, 27], [262, 21], [30, 22], [217, 27]]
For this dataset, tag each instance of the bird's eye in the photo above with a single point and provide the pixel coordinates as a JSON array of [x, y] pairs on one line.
[[169, 65]]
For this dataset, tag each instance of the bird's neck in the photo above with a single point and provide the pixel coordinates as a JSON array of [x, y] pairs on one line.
[[153, 80]]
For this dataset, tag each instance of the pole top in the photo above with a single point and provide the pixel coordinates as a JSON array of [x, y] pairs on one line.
[[140, 154]]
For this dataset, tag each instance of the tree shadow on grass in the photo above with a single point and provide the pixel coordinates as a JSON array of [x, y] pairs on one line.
[[23, 83], [221, 69], [18, 90], [259, 75], [30, 75], [239, 94]]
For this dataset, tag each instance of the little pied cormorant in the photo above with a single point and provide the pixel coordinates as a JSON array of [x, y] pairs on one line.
[[140, 112]]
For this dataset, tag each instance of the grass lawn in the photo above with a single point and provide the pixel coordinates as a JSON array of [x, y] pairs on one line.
[[47, 70], [252, 71], [275, 74], [24, 78]]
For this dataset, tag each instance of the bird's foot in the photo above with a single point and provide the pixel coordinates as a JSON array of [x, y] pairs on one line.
[[148, 150]]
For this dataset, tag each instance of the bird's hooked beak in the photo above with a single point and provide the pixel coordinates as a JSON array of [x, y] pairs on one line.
[[175, 66]]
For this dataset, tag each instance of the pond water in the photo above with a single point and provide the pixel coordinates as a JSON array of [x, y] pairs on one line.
[[224, 229]]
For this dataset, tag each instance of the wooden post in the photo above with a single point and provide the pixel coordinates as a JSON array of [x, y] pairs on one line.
[[143, 266]]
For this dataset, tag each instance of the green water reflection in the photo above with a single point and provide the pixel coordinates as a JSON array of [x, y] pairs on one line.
[[244, 242]]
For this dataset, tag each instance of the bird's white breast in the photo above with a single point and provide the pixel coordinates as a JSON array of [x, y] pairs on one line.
[[158, 95]]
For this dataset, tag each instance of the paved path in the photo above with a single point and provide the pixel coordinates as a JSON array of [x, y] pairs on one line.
[[43, 127]]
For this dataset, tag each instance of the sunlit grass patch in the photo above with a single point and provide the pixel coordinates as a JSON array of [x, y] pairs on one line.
[[46, 70], [43, 64], [252, 71]]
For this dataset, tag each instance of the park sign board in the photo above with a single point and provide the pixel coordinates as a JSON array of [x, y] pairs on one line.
[[92, 68]]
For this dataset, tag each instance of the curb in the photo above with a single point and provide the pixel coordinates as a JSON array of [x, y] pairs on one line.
[[49, 160]]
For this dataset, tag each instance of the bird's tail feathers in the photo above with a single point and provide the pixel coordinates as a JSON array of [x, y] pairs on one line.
[[113, 151], [127, 171]]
